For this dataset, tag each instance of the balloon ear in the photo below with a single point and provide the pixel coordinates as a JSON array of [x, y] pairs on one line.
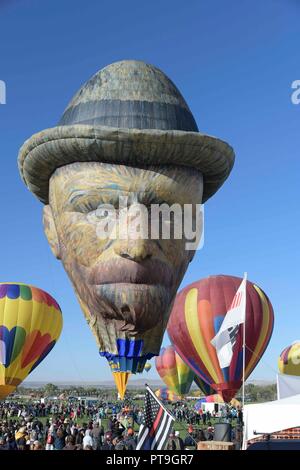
[[50, 231]]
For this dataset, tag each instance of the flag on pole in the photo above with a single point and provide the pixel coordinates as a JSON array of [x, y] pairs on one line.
[[156, 426], [226, 337]]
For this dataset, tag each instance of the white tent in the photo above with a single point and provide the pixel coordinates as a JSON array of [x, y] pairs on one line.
[[270, 417]]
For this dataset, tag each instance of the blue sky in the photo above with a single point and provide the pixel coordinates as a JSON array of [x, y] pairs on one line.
[[234, 62]]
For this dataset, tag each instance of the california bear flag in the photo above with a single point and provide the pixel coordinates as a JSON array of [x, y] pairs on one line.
[[225, 339]]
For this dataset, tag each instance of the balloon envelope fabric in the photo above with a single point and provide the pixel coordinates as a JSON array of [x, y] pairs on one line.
[[289, 360], [30, 325], [204, 387], [196, 317], [166, 395], [177, 376]]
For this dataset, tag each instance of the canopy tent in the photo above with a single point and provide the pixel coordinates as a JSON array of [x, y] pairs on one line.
[[215, 399], [271, 417]]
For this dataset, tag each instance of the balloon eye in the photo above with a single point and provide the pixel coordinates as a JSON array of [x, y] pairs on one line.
[[100, 213]]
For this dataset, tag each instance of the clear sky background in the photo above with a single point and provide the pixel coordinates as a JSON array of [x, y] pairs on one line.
[[234, 62]]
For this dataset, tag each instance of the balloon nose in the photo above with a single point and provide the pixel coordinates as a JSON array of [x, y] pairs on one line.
[[138, 250]]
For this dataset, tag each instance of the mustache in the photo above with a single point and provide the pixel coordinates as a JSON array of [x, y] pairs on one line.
[[121, 270]]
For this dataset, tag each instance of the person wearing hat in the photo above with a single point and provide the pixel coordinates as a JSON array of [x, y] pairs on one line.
[[118, 440], [180, 442], [127, 140]]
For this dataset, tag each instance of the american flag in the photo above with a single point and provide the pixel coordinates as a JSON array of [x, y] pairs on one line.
[[157, 423]]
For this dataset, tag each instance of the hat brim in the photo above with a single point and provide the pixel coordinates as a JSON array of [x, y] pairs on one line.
[[52, 148]]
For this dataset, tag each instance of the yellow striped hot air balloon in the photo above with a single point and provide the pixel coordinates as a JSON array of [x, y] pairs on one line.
[[30, 325], [289, 359]]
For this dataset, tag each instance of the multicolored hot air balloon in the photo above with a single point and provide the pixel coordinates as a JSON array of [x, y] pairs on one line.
[[165, 394], [30, 325], [147, 367], [215, 398], [177, 376], [197, 315], [204, 387], [289, 359]]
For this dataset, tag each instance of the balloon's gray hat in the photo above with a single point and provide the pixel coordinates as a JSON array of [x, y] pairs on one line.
[[128, 113]]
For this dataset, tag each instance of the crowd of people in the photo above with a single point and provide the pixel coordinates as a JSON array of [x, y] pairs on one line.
[[103, 426]]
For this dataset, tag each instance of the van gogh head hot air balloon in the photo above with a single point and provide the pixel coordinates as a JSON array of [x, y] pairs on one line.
[[196, 317], [128, 132], [30, 325]]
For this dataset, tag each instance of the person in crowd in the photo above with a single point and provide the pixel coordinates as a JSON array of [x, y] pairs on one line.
[[173, 442], [118, 441], [96, 434], [180, 441], [59, 439], [107, 443], [37, 445], [130, 440], [209, 432], [70, 443], [87, 440], [240, 417]]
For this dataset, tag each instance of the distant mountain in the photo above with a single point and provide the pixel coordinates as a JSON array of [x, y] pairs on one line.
[[139, 383], [261, 382], [133, 383]]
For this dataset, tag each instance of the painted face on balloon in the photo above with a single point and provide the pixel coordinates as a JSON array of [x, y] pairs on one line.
[[101, 223]]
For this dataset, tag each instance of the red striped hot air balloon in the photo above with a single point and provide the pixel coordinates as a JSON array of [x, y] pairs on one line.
[[177, 376], [197, 315]]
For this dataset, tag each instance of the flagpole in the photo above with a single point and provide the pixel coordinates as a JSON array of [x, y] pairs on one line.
[[244, 344]]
